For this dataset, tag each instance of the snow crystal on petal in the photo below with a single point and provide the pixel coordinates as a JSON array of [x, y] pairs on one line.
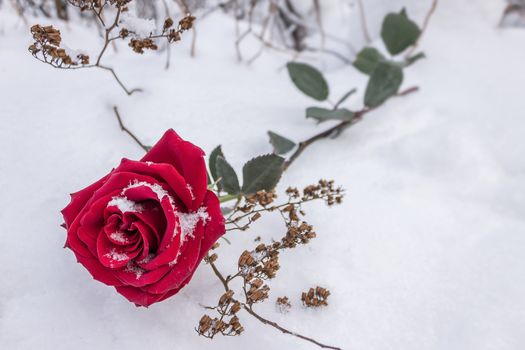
[[133, 268], [188, 222], [125, 205], [191, 191], [116, 256], [174, 261], [119, 237], [156, 188], [147, 259]]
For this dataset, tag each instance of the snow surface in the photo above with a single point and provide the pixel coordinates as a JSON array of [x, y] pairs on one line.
[[425, 253]]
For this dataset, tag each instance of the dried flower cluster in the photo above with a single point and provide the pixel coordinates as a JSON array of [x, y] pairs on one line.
[[283, 304], [90, 5], [256, 266], [227, 323], [315, 297], [47, 39], [168, 32]]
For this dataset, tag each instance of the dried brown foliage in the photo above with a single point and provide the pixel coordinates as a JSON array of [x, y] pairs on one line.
[[257, 266], [283, 303], [315, 297], [47, 46]]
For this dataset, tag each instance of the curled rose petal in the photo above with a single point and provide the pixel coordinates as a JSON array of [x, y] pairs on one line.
[[145, 227]]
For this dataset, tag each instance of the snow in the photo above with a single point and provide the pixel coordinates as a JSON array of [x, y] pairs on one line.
[[156, 188], [116, 256], [140, 27], [191, 191], [133, 268], [188, 222], [426, 252], [125, 205], [119, 237]]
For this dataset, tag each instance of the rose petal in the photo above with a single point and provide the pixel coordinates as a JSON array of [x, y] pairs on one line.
[[187, 158], [79, 200], [137, 296], [163, 173], [112, 256], [148, 239], [184, 265], [99, 272], [215, 226], [89, 225], [170, 243], [138, 277]]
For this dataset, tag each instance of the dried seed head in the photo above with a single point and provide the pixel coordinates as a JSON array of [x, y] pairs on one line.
[[168, 23], [226, 298], [139, 45], [187, 22], [246, 259], [315, 297], [124, 33], [236, 307], [258, 291], [283, 304], [205, 324], [211, 258]]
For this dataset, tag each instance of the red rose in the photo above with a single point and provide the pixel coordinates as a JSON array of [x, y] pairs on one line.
[[145, 226]]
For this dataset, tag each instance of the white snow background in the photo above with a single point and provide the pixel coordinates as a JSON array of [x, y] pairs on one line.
[[427, 251]]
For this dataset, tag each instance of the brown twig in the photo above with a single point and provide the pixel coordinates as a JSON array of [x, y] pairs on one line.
[[219, 275], [58, 57], [19, 11], [337, 129], [319, 19], [363, 21], [185, 8], [265, 321], [126, 130], [276, 15], [423, 27], [286, 331]]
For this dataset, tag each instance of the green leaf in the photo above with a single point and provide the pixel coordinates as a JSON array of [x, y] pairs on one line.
[[229, 181], [345, 96], [212, 161], [262, 173], [281, 144], [399, 32], [368, 59], [384, 82], [413, 59], [309, 80], [323, 114]]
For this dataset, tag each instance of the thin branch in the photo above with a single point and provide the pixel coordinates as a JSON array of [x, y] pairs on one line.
[[126, 130], [129, 92], [319, 19], [265, 321], [423, 28], [219, 276], [337, 129], [286, 331], [107, 33], [193, 50], [363, 21], [19, 11]]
